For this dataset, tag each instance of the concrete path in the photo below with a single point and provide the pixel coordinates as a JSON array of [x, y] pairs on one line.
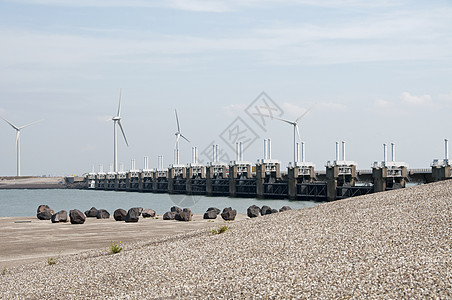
[[27, 239]]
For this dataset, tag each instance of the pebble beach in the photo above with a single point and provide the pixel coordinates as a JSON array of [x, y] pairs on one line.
[[391, 245]]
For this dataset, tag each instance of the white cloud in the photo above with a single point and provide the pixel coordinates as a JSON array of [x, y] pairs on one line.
[[293, 110], [233, 110], [413, 100], [210, 5], [383, 104]]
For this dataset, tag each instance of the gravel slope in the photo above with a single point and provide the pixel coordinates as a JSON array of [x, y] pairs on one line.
[[389, 245]]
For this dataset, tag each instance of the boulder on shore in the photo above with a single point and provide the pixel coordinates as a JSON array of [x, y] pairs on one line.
[[253, 211], [91, 213], [76, 216], [214, 209], [60, 216], [266, 210], [176, 209], [185, 215], [133, 215], [44, 212], [285, 208], [119, 214], [148, 213], [210, 215], [169, 215], [102, 214], [228, 214]]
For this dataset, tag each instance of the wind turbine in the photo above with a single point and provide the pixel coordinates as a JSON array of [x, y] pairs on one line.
[[296, 132], [117, 121], [18, 129], [178, 136]]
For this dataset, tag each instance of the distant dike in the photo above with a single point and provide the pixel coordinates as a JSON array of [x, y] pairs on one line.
[[34, 183]]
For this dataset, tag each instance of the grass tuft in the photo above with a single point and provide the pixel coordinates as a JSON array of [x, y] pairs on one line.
[[115, 248], [220, 229], [51, 261]]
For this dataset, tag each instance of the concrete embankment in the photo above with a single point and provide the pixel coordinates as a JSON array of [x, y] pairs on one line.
[[30, 182]]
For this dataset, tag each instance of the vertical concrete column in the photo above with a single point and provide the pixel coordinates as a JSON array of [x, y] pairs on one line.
[[189, 182], [379, 176], [441, 173], [171, 180], [128, 179], [155, 179], [140, 181], [233, 181], [402, 181], [331, 180], [260, 179], [209, 177], [293, 180]]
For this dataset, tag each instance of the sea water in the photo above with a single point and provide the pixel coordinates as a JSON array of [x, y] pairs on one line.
[[23, 203]]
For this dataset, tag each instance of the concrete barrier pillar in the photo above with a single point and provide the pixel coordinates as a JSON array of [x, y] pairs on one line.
[[260, 179]]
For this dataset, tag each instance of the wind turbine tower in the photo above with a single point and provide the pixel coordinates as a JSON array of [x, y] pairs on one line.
[[117, 121], [18, 129], [178, 136], [296, 132]]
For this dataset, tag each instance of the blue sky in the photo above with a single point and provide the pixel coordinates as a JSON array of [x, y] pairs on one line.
[[375, 71]]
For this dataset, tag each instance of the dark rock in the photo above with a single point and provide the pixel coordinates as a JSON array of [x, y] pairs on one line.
[[119, 214], [76, 216], [102, 214], [228, 214], [148, 213], [214, 209], [266, 210], [132, 215], [44, 207], [140, 210], [60, 216], [45, 215], [185, 215], [44, 212], [285, 208], [274, 211], [253, 211], [91, 213], [210, 214], [169, 215], [176, 209]]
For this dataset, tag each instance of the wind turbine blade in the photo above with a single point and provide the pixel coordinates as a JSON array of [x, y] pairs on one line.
[[119, 105], [123, 134], [22, 127], [11, 124], [177, 120], [287, 121], [299, 118], [185, 138]]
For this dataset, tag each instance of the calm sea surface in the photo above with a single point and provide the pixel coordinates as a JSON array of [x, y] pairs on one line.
[[23, 203]]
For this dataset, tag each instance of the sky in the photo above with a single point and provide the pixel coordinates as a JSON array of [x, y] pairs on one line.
[[371, 72]]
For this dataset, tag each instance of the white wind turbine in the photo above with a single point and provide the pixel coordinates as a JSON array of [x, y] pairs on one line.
[[117, 121], [18, 129], [178, 136], [296, 132]]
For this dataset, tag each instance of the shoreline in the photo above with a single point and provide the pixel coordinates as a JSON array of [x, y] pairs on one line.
[[28, 240], [32, 182]]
